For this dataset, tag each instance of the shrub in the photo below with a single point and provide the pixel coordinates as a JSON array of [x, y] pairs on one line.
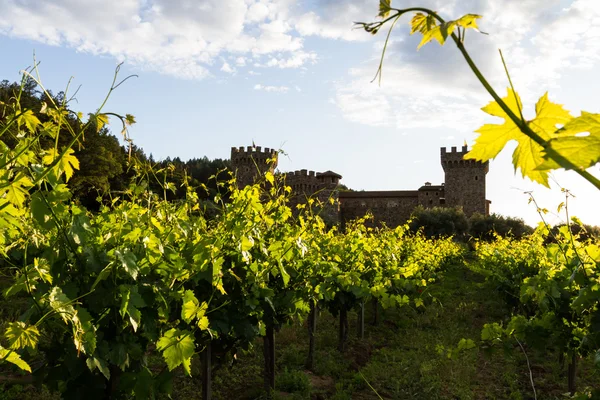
[[483, 227], [440, 221]]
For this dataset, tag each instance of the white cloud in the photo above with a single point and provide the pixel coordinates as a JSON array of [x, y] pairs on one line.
[[272, 89], [297, 60], [258, 12], [240, 62], [433, 87], [228, 68], [176, 37]]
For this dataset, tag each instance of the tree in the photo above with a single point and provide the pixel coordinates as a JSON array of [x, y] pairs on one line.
[[486, 227], [439, 221]]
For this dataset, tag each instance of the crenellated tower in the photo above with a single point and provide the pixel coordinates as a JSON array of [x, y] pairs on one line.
[[465, 182], [252, 162]]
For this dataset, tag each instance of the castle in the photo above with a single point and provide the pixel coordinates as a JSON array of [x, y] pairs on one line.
[[464, 187]]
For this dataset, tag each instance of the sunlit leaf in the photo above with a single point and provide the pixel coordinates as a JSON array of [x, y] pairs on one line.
[[421, 23], [270, 178], [190, 306], [468, 21], [84, 332], [128, 261], [129, 119], [583, 151], [100, 120], [18, 189], [528, 155], [13, 358], [439, 33], [384, 8], [29, 119], [21, 335], [67, 164], [177, 347], [61, 304]]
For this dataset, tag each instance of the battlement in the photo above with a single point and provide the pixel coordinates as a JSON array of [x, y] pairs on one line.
[[251, 162], [464, 186], [301, 173], [455, 159], [238, 152], [453, 154]]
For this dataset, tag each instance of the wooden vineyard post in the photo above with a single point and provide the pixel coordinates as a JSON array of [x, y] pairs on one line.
[[343, 334], [375, 312], [206, 373], [361, 320], [312, 330], [572, 374], [269, 353]]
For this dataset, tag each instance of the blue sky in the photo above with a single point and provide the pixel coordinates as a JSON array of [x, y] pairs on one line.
[[293, 74]]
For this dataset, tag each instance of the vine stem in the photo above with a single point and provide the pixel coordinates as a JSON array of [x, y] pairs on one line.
[[529, 368], [521, 124]]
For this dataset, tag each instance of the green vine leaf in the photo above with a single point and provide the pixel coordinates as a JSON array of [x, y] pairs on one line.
[[128, 261], [421, 23], [385, 6], [192, 309], [9, 215], [13, 358], [95, 362], [29, 119], [100, 120], [17, 191], [21, 335], [439, 33], [430, 30], [177, 347], [583, 151], [61, 304], [131, 301], [84, 332], [67, 164], [528, 155], [468, 21]]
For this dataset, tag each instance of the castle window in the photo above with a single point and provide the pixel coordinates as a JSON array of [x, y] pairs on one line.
[[476, 177]]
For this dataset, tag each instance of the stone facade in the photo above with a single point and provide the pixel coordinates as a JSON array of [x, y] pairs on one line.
[[250, 162], [464, 187]]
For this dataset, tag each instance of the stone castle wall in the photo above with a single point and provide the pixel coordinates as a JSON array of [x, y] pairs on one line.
[[252, 162], [391, 207], [464, 181], [464, 187]]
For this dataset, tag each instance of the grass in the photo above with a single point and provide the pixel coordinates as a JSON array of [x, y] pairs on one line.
[[403, 357]]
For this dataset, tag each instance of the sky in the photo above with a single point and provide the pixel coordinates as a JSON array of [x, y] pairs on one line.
[[295, 75]]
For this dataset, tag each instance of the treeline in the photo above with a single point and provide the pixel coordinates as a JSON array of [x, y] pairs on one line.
[[442, 222], [105, 171], [104, 164]]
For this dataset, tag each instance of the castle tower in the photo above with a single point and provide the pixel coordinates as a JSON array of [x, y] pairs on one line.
[[465, 182], [250, 163]]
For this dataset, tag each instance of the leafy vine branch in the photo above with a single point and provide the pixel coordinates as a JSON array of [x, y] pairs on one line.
[[554, 139]]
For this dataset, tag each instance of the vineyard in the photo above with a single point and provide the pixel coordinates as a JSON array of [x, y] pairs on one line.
[[147, 296]]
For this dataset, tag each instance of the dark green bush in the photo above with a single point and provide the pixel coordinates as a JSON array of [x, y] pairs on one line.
[[483, 227], [440, 221]]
